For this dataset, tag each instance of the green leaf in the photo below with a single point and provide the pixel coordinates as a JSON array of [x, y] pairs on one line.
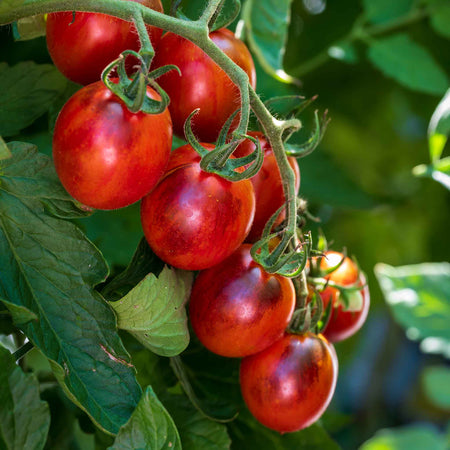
[[29, 28], [48, 268], [266, 27], [154, 311], [228, 14], [439, 128], [4, 150], [28, 91], [436, 383], [415, 437], [440, 18], [419, 298], [149, 428], [24, 418], [410, 64], [196, 431], [379, 11]]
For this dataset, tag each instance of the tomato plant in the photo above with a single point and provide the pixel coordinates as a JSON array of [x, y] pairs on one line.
[[202, 84], [267, 184], [105, 156], [289, 385], [194, 219], [237, 308], [82, 44]]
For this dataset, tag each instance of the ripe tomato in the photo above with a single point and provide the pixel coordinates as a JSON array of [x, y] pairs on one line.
[[342, 323], [267, 184], [105, 156], [203, 84], [82, 46], [289, 385], [237, 308], [194, 219]]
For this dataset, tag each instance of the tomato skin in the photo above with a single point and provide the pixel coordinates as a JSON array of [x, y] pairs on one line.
[[237, 308], [83, 47], [105, 156], [194, 219], [203, 84], [267, 184], [343, 323], [288, 386]]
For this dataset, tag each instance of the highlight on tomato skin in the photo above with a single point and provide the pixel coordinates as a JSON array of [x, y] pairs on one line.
[[237, 309], [289, 385], [105, 156], [193, 219], [202, 84], [81, 45]]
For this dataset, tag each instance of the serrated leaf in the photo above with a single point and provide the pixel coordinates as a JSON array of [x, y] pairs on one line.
[[380, 11], [29, 28], [154, 311], [48, 267], [414, 437], [419, 298], [439, 127], [196, 431], [24, 417], [440, 18], [28, 91], [230, 10], [4, 150], [149, 428], [266, 27], [410, 64], [436, 383]]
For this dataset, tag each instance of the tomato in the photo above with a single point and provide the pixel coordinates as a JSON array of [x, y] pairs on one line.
[[237, 308], [288, 386], [105, 156], [267, 184], [203, 84], [81, 46], [343, 323], [194, 219]]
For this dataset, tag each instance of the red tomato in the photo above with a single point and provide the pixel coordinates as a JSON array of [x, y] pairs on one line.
[[342, 323], [267, 184], [203, 84], [194, 219], [83, 46], [288, 386], [237, 308], [105, 156]]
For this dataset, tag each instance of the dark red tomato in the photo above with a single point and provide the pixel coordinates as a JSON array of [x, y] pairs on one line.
[[203, 84], [267, 184], [288, 386], [237, 308], [194, 219], [82, 46], [105, 156], [343, 323]]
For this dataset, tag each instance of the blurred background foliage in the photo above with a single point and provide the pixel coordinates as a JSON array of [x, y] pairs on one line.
[[360, 184]]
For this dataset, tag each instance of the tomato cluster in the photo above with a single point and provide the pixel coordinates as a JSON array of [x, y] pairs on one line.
[[108, 157]]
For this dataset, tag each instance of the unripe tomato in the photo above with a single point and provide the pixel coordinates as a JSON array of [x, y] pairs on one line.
[[81, 46], [267, 184], [237, 308], [194, 219], [105, 156], [343, 323], [288, 386], [203, 84]]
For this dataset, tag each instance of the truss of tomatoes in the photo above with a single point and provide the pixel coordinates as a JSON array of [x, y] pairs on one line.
[[107, 158]]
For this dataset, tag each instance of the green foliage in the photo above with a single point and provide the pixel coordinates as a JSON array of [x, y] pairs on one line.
[[436, 383], [24, 418], [4, 150], [440, 17], [380, 11]]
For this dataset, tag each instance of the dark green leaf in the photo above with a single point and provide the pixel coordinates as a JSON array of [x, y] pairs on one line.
[[414, 437], [28, 91], [48, 268], [4, 150], [379, 11], [149, 428], [29, 28], [266, 27], [408, 63], [228, 14], [440, 18], [436, 383], [154, 311], [24, 418], [196, 431], [419, 298]]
